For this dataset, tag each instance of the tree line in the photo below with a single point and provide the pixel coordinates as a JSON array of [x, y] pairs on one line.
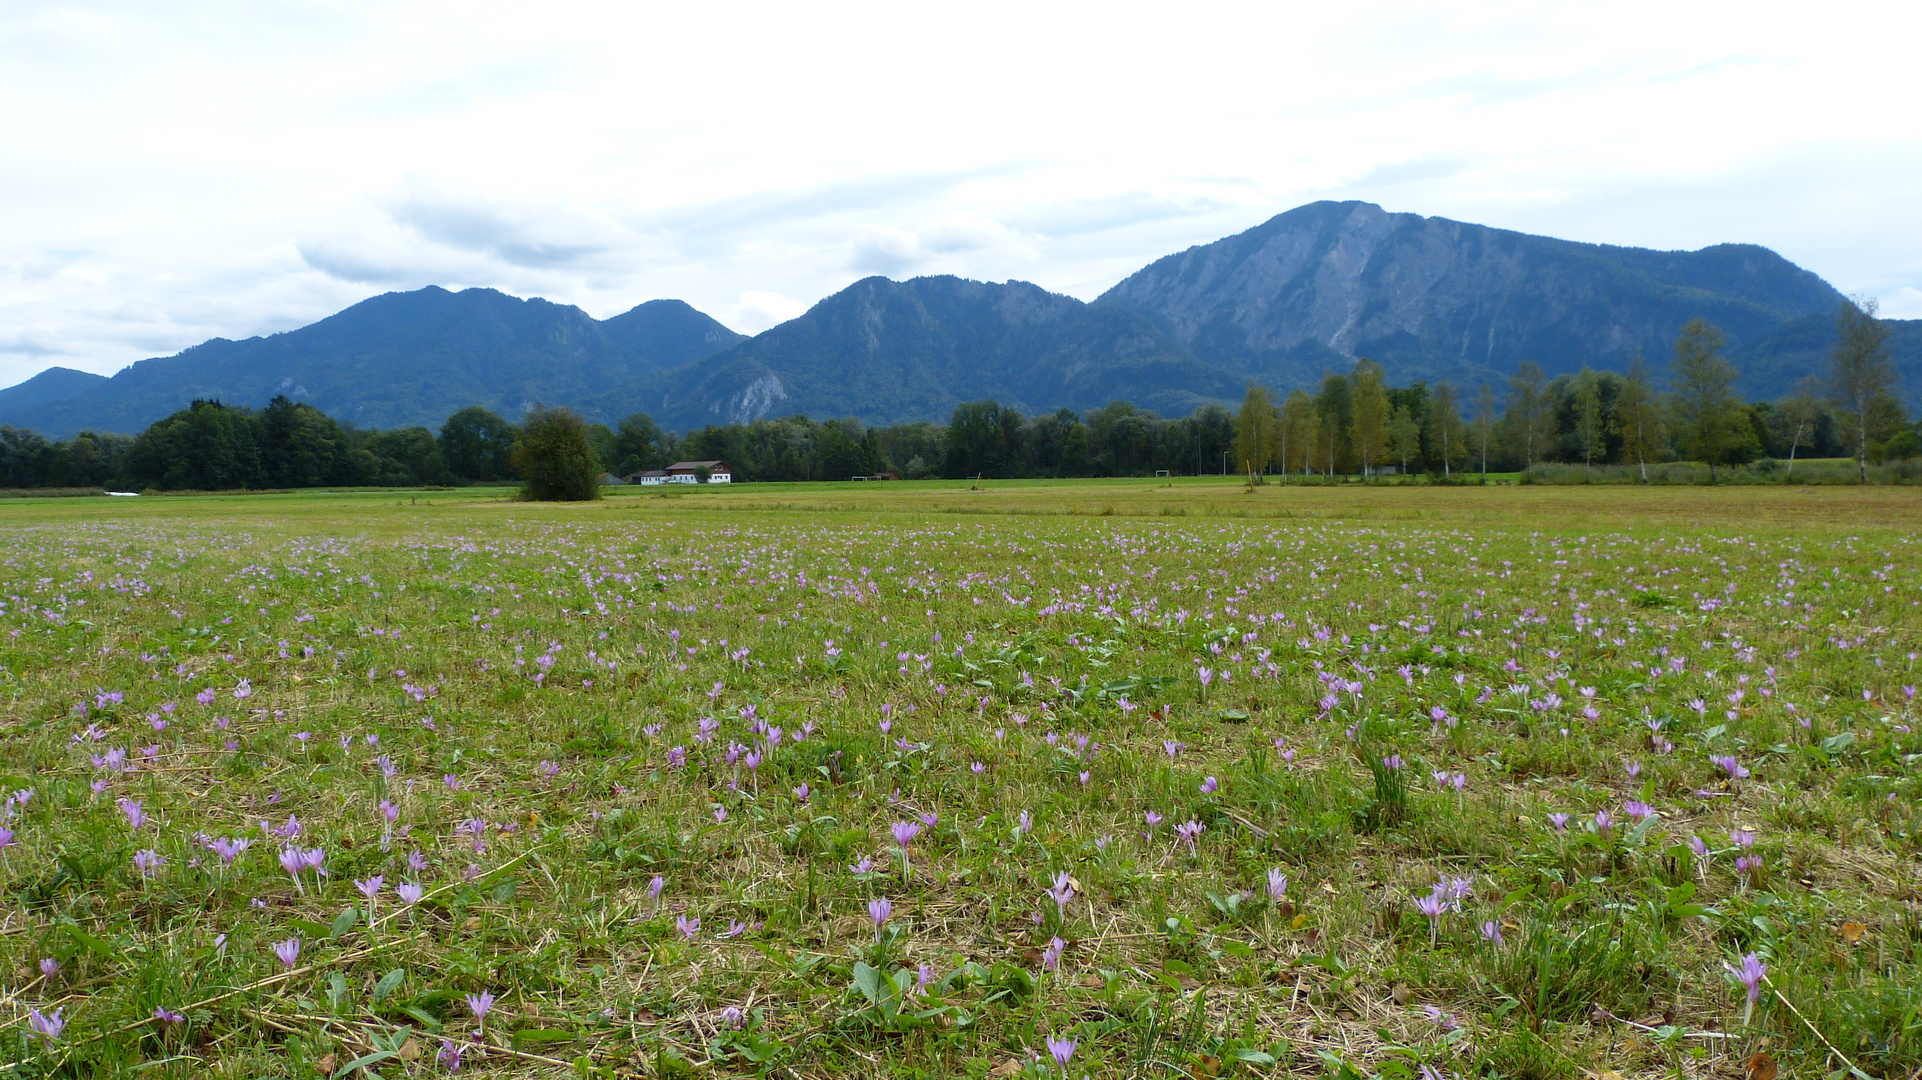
[[1352, 423], [1358, 424], [211, 446]]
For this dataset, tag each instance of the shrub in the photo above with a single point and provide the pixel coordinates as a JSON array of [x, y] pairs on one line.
[[556, 458]]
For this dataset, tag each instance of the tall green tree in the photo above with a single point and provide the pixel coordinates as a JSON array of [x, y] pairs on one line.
[[1590, 425], [1860, 375], [1797, 414], [639, 443], [973, 446], [1710, 423], [477, 445], [206, 446], [1334, 416], [1295, 430], [1255, 432], [1369, 432], [1528, 416], [1637, 417], [1444, 429], [302, 446], [1484, 423], [555, 457], [1404, 436]]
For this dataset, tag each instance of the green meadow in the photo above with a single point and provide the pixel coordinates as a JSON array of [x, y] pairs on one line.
[[1108, 778]]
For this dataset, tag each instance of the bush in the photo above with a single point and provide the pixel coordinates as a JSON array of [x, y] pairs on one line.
[[555, 457]]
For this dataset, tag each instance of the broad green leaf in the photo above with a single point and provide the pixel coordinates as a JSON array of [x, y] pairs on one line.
[[387, 984]]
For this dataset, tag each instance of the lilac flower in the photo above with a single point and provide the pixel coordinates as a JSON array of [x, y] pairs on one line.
[[1603, 823], [1153, 819], [288, 951], [1190, 834], [49, 967], [136, 817], [1209, 786], [1439, 1018], [1061, 1050], [480, 1004], [688, 927], [801, 793], [1698, 846], [47, 1027], [1062, 892], [654, 888], [1277, 884], [1750, 975], [370, 888], [1560, 821], [733, 1018], [1051, 956], [904, 834], [409, 893], [166, 1016], [1638, 810], [1392, 762], [1434, 905], [1742, 838], [1492, 932], [865, 866], [148, 861], [450, 1055], [1730, 765]]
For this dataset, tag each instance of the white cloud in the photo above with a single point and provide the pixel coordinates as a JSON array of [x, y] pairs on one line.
[[200, 168], [758, 311], [1903, 303]]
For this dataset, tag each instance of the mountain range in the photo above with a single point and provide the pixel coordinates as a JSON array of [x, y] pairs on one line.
[[1304, 293]]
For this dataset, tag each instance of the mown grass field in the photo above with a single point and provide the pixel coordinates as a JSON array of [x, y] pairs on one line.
[[1115, 778]]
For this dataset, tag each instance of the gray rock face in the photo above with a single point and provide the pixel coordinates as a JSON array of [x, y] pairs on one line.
[[1432, 298]]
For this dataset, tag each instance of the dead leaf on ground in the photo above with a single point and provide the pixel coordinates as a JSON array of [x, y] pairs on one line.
[[1010, 1067], [1852, 932], [1092, 981], [410, 1050], [325, 1066], [1759, 1067], [1205, 1067], [1609, 1074]]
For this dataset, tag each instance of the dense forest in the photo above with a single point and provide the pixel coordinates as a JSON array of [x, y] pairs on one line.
[[1353, 423]]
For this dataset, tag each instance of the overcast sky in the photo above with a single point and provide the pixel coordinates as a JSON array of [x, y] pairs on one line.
[[176, 171]]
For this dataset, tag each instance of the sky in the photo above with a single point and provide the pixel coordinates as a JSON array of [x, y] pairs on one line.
[[171, 172]]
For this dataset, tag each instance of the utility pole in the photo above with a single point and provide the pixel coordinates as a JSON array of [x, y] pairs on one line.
[[1224, 463]]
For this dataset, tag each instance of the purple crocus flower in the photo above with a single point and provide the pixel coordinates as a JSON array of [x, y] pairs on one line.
[[47, 1027], [288, 951], [1062, 892], [1061, 1050], [1277, 884], [1750, 975], [480, 1004]]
